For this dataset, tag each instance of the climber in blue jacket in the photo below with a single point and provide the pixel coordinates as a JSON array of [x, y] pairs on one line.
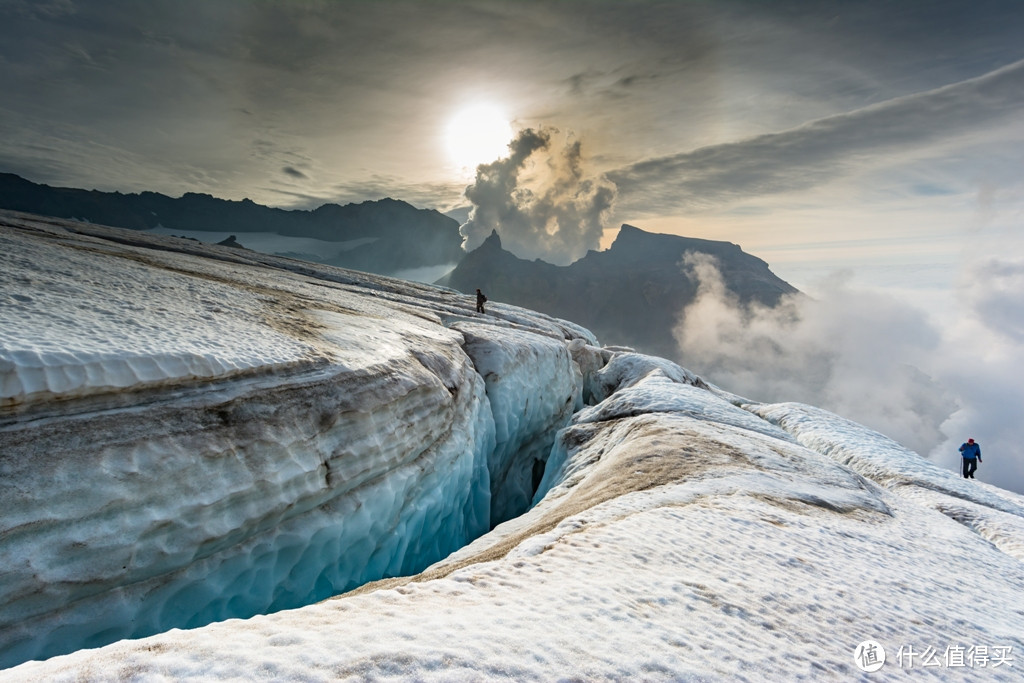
[[971, 453]]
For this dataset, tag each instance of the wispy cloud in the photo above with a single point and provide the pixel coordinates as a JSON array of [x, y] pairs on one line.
[[819, 151]]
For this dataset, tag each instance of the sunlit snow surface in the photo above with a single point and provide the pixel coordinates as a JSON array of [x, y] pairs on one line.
[[74, 323], [678, 532]]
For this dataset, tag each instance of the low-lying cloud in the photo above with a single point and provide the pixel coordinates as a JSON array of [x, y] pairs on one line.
[[539, 199], [876, 360], [983, 358]]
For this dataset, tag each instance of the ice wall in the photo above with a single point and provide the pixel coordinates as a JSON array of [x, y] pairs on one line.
[[319, 429], [277, 494], [533, 387]]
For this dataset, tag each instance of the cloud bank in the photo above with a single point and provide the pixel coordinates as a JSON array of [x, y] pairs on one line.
[[984, 357], [539, 200], [876, 360]]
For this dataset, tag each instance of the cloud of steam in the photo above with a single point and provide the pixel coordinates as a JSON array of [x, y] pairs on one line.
[[877, 360], [539, 200]]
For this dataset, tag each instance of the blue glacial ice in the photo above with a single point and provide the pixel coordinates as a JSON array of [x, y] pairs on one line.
[[289, 436]]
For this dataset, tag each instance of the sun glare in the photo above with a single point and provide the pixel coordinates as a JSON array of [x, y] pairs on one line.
[[477, 135]]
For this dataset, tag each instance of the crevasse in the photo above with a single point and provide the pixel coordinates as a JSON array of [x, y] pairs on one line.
[[268, 493]]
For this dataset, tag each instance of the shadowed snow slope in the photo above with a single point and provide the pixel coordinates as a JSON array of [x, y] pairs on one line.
[[191, 433]]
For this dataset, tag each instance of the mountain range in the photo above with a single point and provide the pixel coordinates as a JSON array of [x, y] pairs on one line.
[[630, 294], [383, 236]]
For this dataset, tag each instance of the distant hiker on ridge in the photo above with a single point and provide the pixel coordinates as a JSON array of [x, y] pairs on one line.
[[971, 453], [480, 299]]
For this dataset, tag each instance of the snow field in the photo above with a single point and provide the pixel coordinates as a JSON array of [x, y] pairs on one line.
[[675, 535], [73, 323]]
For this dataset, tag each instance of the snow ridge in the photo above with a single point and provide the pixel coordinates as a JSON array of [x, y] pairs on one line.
[[995, 514]]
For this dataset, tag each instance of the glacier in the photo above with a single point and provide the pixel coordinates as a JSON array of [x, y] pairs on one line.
[[219, 464]]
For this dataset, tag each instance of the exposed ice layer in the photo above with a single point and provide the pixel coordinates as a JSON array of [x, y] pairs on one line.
[[589, 359], [72, 323], [639, 385], [700, 549], [656, 393], [270, 498], [533, 386], [177, 502], [633, 384]]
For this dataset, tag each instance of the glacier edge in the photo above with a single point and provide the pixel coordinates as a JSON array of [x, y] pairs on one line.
[[396, 442]]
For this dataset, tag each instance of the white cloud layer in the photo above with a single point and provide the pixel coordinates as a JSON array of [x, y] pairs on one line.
[[877, 360]]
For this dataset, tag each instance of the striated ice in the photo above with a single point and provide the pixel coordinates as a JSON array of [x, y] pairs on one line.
[[77, 325], [340, 434], [993, 513], [671, 545], [657, 393], [626, 368], [878, 457]]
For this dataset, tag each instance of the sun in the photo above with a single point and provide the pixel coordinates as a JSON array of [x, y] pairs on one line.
[[477, 135]]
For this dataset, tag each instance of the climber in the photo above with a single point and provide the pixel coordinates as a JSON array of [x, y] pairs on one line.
[[480, 299], [971, 453]]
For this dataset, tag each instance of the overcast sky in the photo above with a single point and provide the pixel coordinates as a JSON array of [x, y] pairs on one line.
[[883, 139], [787, 127]]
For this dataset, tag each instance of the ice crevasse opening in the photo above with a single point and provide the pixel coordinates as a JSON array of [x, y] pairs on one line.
[[264, 490]]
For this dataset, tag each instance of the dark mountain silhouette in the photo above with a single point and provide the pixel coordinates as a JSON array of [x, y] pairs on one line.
[[404, 236], [631, 294], [231, 241]]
